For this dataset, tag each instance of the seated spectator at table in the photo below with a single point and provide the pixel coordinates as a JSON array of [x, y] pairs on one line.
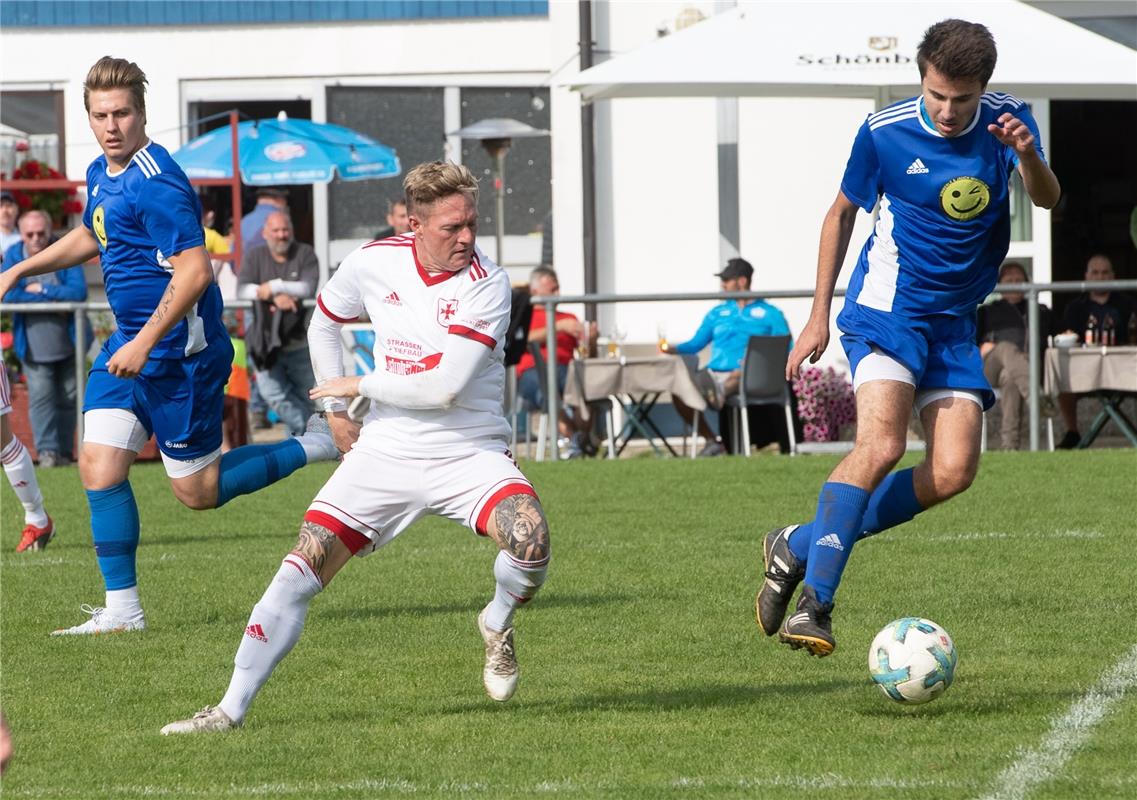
[[727, 328], [569, 333], [45, 343], [1098, 318], [1001, 334]]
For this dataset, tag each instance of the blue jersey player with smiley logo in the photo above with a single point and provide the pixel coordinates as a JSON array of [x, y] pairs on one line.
[[164, 369], [937, 168]]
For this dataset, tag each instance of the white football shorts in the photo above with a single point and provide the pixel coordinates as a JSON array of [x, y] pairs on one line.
[[373, 497]]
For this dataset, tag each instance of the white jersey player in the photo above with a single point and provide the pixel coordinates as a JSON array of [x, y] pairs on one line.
[[434, 441]]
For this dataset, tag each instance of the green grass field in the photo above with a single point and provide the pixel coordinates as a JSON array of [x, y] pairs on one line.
[[643, 673]]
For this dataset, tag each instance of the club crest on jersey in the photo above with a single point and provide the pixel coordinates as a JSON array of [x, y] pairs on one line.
[[447, 311], [965, 198]]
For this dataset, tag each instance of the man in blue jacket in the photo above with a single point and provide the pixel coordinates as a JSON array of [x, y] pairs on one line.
[[45, 343], [727, 328]]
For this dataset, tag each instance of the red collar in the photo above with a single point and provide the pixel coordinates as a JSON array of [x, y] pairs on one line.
[[431, 278]]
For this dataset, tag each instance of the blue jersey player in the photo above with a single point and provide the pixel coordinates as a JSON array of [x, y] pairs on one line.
[[937, 167], [164, 369]]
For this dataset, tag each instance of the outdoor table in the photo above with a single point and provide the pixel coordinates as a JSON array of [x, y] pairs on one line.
[[636, 384], [1106, 373]]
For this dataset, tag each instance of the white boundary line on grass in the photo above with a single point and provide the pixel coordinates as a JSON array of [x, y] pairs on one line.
[[1067, 734]]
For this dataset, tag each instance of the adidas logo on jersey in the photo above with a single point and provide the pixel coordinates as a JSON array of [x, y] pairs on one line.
[[831, 540], [917, 168], [392, 299], [255, 631]]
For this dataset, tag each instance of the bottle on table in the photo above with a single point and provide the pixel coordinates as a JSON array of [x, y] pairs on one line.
[[1091, 335]]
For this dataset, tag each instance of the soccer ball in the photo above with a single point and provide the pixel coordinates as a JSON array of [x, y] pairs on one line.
[[912, 660]]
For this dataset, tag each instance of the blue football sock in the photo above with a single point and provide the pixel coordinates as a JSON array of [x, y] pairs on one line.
[[840, 510], [800, 540], [255, 466], [114, 530], [893, 503]]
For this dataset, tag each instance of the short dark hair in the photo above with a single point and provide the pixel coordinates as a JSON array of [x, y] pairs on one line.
[[116, 73], [1007, 267], [959, 50]]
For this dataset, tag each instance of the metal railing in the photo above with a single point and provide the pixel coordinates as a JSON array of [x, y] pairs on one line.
[[550, 302], [1030, 290]]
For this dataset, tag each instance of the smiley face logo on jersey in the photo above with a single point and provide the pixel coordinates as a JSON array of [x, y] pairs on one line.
[[965, 198], [99, 225]]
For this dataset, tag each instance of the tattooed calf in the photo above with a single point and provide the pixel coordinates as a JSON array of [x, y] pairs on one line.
[[314, 545]]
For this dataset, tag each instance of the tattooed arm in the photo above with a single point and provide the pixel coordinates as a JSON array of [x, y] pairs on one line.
[[518, 525], [192, 276], [322, 549]]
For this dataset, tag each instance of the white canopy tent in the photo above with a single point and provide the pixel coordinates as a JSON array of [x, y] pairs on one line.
[[834, 48]]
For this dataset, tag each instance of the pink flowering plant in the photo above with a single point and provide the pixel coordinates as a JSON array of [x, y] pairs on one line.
[[825, 403]]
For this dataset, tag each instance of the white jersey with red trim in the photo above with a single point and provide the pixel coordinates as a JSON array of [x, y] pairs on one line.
[[412, 312]]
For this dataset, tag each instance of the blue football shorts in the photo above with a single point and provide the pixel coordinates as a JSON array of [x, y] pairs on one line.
[[939, 349], [179, 400]]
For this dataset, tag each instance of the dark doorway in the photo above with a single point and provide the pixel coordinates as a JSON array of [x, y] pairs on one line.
[[214, 114], [1092, 152]]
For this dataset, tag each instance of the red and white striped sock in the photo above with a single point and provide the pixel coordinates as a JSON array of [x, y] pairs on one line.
[[21, 474], [517, 582], [273, 630]]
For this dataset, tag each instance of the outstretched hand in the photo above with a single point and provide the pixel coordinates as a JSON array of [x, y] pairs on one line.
[[811, 344], [1014, 133], [337, 387]]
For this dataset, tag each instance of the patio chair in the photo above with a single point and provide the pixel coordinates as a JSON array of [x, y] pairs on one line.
[[763, 383]]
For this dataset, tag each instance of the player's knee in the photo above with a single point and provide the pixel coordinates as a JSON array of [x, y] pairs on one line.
[[97, 472], [518, 525], [883, 453], [195, 498], [951, 476]]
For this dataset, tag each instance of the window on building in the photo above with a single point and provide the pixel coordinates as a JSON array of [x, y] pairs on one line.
[[409, 119], [528, 165], [33, 129]]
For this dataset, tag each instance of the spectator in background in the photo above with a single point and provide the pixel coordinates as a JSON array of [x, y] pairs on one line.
[[727, 328], [278, 275], [570, 332], [1001, 333], [397, 221], [269, 199], [9, 213], [1101, 318], [45, 343], [215, 243]]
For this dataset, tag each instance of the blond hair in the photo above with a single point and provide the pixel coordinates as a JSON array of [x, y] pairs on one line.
[[116, 73], [430, 182]]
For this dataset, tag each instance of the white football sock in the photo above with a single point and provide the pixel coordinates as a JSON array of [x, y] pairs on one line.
[[318, 447], [273, 630], [517, 582], [21, 474], [124, 603]]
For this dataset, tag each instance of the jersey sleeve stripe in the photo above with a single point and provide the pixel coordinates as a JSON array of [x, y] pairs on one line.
[[470, 333], [388, 243], [329, 314]]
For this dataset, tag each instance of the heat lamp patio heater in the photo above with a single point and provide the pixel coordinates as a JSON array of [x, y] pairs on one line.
[[497, 135]]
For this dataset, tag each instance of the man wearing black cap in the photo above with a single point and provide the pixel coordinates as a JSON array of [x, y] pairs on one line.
[[727, 328], [9, 213]]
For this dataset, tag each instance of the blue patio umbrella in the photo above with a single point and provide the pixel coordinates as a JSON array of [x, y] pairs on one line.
[[273, 152]]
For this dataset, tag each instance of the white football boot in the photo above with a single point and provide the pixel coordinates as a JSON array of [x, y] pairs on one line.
[[210, 719], [501, 670], [102, 621]]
